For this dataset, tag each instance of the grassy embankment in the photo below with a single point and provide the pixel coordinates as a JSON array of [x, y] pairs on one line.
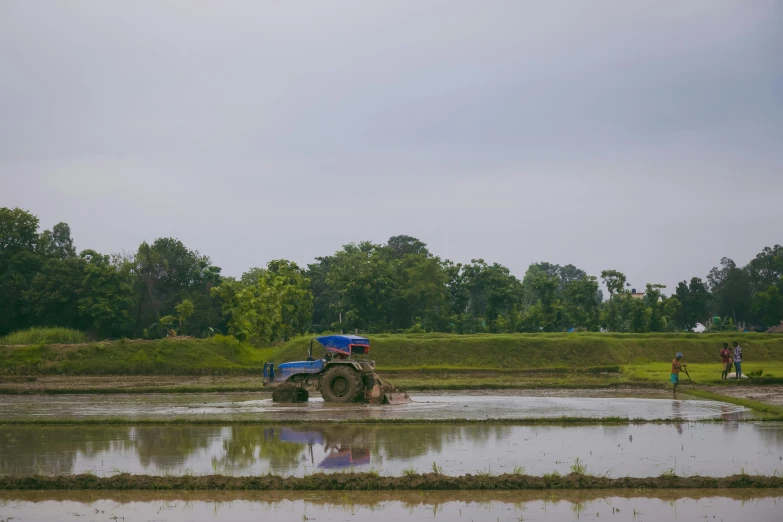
[[414, 361], [374, 481], [44, 336]]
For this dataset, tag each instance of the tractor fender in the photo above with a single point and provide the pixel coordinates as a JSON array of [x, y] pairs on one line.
[[354, 364]]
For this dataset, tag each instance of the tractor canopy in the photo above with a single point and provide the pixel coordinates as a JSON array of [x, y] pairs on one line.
[[345, 344]]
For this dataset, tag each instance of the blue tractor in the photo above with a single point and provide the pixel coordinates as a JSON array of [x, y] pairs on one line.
[[343, 374]]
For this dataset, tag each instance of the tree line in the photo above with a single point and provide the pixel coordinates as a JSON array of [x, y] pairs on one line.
[[399, 286]]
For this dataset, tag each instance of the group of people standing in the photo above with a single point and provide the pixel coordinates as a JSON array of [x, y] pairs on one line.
[[728, 358]]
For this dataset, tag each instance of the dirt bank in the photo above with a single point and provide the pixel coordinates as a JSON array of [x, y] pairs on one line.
[[766, 394], [378, 498], [371, 481], [13, 384]]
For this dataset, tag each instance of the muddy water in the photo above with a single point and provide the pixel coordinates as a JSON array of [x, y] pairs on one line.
[[381, 507], [629, 450], [237, 406]]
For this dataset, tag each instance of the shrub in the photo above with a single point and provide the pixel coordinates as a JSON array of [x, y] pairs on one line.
[[55, 335]]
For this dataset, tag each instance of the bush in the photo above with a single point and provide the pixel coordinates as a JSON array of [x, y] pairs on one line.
[[45, 335]]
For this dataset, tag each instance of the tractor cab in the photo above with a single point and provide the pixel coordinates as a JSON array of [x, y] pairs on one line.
[[343, 346], [336, 347]]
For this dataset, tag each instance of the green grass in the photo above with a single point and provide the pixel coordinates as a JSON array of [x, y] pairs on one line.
[[216, 356], [567, 359], [55, 335], [708, 373], [530, 351]]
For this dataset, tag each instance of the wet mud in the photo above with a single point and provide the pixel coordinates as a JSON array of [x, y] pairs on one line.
[[372, 482], [250, 406], [375, 498], [771, 394]]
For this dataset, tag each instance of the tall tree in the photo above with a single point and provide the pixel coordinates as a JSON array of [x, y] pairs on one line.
[[57, 243], [276, 307], [615, 281], [583, 303], [105, 294], [695, 301], [731, 289], [53, 295], [19, 263]]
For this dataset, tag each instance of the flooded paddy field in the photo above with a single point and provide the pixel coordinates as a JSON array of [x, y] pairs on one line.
[[550, 506], [646, 450], [441, 406]]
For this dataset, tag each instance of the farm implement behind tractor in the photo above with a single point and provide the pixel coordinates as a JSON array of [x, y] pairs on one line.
[[341, 375]]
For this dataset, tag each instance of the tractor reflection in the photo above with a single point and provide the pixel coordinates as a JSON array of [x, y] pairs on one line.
[[344, 448]]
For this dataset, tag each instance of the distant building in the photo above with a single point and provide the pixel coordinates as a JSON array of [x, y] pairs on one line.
[[636, 295]]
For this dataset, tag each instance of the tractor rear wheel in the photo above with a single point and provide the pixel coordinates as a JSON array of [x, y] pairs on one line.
[[341, 384]]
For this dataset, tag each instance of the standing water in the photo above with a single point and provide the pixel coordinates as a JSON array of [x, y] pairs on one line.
[[644, 450]]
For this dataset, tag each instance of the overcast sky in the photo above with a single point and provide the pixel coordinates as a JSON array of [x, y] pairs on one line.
[[645, 136]]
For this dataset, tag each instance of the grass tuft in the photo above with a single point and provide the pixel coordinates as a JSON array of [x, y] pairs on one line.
[[578, 467], [46, 335]]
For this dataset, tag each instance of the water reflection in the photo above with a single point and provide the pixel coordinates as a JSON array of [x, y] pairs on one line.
[[636, 450], [389, 506]]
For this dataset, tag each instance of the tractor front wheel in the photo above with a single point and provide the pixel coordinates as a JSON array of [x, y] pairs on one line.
[[284, 394], [341, 384]]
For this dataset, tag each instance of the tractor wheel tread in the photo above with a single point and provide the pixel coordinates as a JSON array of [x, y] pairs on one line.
[[284, 394], [343, 377]]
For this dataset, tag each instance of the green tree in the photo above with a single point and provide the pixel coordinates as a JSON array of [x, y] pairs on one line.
[[695, 302], [768, 305], [583, 303], [401, 246], [653, 301], [18, 229], [19, 263], [671, 309], [105, 294], [53, 295], [493, 293], [276, 307], [424, 292], [56, 243], [615, 282], [766, 268], [731, 290], [363, 284], [547, 313], [184, 309]]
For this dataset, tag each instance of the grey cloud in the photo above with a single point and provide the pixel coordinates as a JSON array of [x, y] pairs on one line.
[[604, 133]]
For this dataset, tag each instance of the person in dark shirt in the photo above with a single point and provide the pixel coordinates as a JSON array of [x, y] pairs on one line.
[[725, 357]]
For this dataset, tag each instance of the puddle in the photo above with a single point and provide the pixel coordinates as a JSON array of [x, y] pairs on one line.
[[383, 507], [228, 406], [628, 450]]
